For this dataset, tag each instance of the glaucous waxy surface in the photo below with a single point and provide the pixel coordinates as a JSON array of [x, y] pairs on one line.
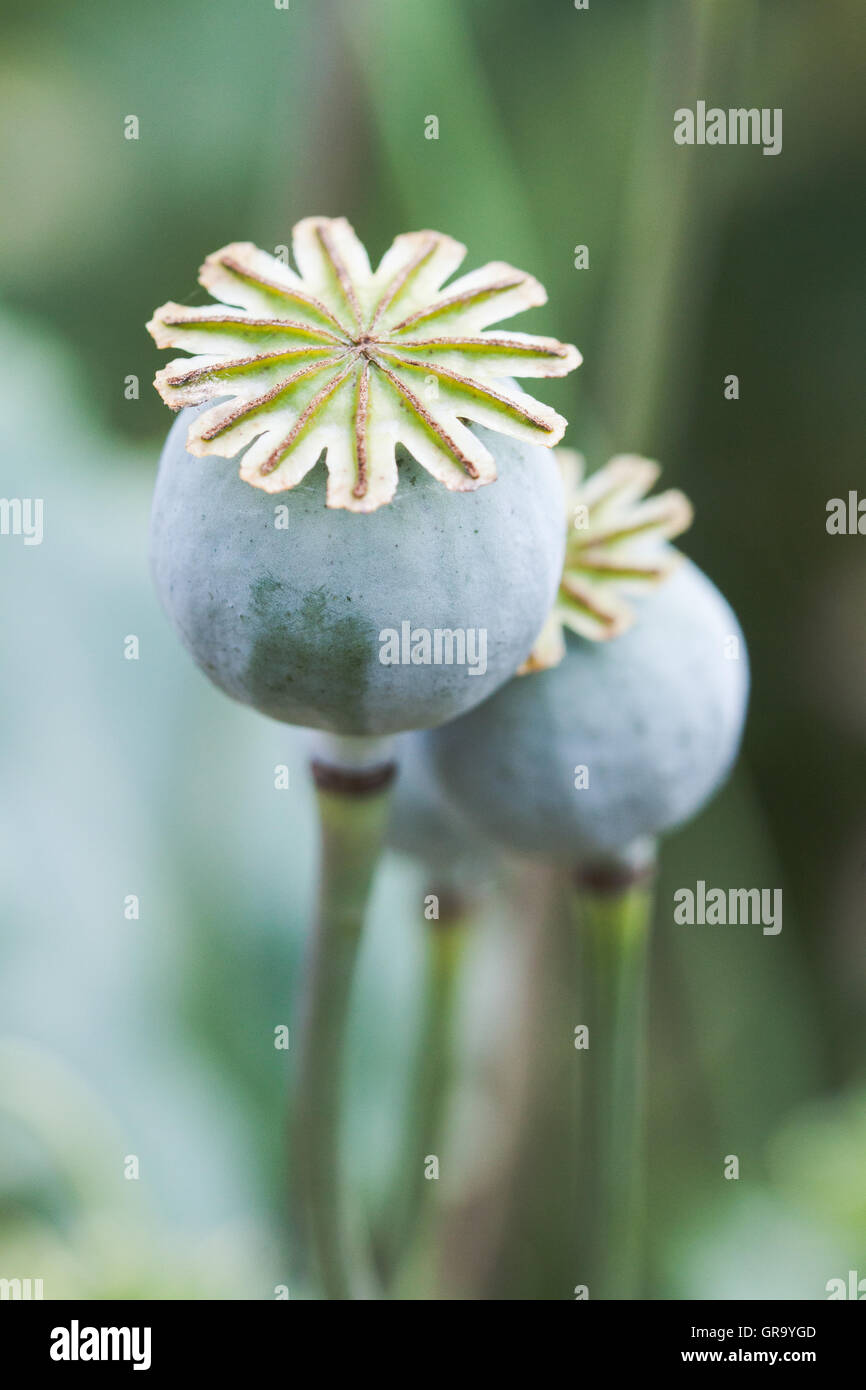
[[290, 619], [654, 717]]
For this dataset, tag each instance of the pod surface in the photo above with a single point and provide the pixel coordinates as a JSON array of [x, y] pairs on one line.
[[651, 722], [290, 618]]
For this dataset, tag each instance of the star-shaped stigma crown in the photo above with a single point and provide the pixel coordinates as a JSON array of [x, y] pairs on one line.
[[616, 545], [341, 359]]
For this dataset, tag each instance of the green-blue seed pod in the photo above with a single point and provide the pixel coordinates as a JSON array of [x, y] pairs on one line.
[[287, 605], [622, 740]]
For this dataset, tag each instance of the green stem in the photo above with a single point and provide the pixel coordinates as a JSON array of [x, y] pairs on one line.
[[429, 1084], [353, 813], [663, 228], [517, 1240], [615, 920]]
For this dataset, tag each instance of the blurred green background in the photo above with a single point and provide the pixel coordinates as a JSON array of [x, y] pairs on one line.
[[154, 1037]]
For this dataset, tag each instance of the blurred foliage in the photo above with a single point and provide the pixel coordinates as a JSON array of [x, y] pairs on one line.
[[135, 777]]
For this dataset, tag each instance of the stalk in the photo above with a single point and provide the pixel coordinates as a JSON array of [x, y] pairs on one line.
[[429, 1082], [352, 799], [614, 911], [661, 277], [516, 1240]]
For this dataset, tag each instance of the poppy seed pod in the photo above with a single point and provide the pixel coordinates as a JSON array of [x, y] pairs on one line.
[[348, 605], [335, 620], [382, 557], [622, 740]]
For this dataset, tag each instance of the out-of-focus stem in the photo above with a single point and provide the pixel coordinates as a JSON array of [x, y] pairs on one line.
[[662, 228], [429, 1082], [512, 1238], [353, 811], [614, 915]]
